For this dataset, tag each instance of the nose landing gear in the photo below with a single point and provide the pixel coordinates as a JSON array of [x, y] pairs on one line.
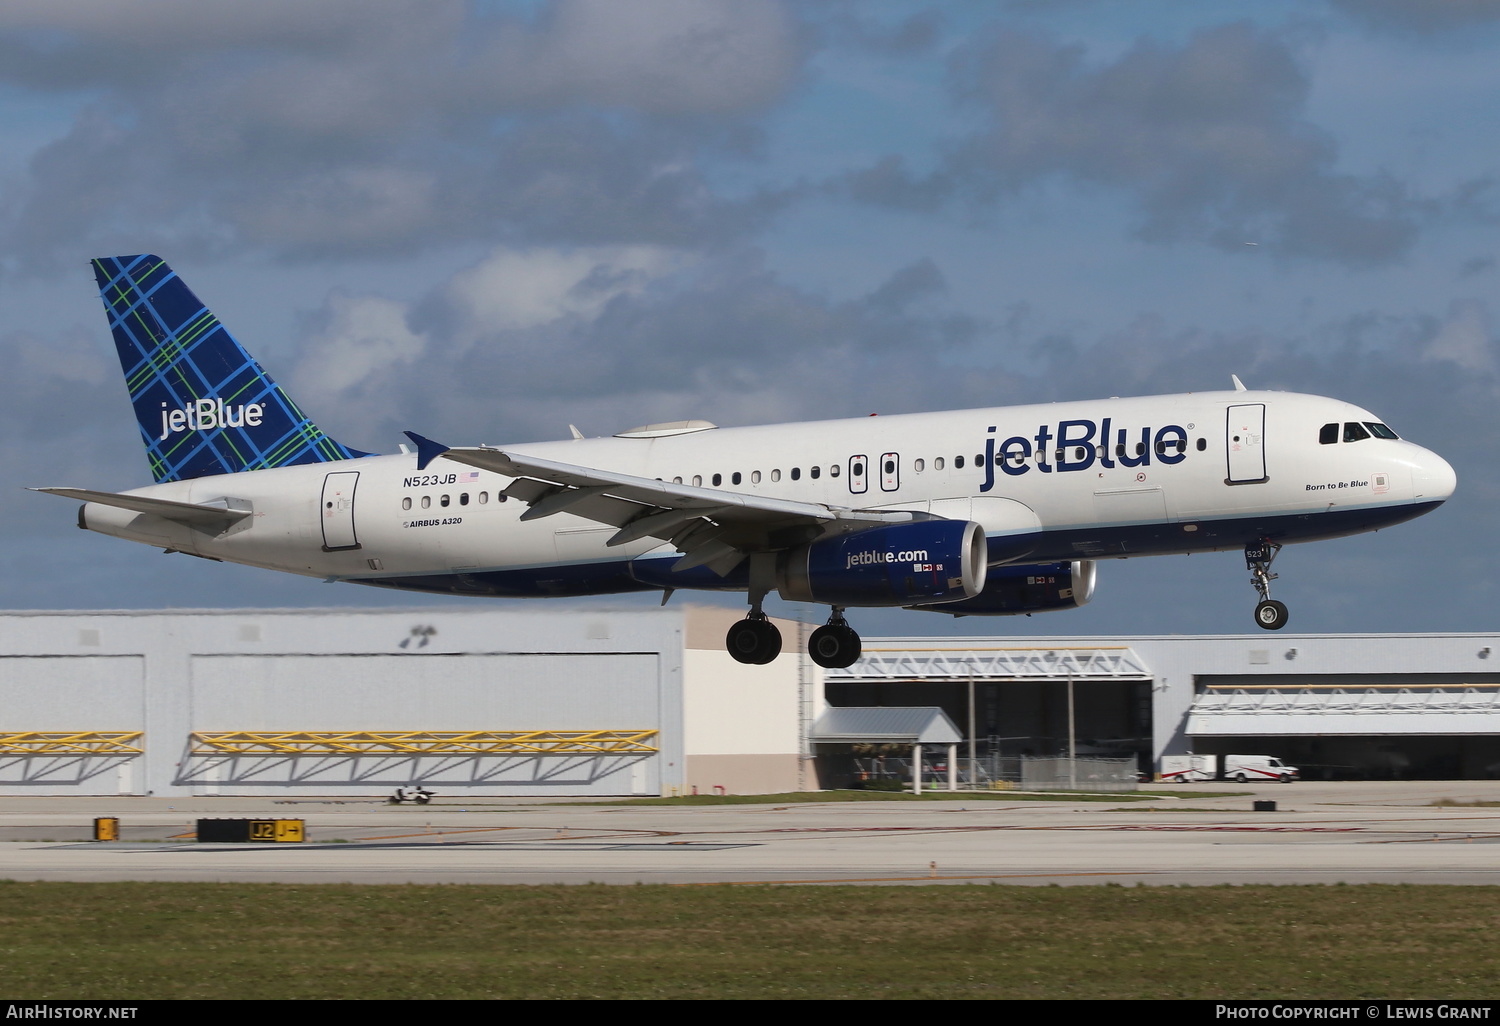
[[834, 645], [1269, 614]]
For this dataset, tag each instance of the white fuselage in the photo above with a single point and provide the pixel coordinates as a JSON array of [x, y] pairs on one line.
[[1178, 473]]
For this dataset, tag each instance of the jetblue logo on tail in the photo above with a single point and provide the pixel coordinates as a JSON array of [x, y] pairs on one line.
[[178, 362], [207, 414]]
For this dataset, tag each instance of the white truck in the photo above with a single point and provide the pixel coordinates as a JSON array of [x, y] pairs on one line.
[[1186, 769], [1245, 768], [1242, 769]]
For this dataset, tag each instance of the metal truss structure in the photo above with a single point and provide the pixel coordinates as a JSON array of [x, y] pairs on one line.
[[424, 742], [1109, 662], [71, 742]]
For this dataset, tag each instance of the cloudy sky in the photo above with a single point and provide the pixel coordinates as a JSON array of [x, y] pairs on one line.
[[484, 221]]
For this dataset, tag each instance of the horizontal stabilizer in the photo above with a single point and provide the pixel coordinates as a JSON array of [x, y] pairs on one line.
[[192, 514]]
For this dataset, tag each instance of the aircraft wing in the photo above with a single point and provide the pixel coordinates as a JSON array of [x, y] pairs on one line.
[[710, 527], [189, 513]]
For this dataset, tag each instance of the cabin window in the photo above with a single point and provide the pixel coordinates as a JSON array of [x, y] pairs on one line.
[[677, 480], [426, 501], [833, 471], [937, 464], [1328, 434], [1202, 444], [816, 472], [444, 501], [1120, 450], [718, 480], [1140, 448], [796, 473], [755, 477], [406, 502], [958, 463], [776, 475], [484, 497], [697, 480], [735, 477], [919, 465], [463, 498], [1354, 433]]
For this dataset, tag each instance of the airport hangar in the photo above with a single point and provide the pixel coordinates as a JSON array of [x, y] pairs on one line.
[[618, 702]]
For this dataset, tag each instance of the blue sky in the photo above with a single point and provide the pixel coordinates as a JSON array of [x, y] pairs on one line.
[[484, 222]]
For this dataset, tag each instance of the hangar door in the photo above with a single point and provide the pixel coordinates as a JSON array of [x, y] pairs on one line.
[[306, 718]]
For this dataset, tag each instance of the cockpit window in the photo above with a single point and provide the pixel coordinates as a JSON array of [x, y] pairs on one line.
[[1354, 433], [1380, 430], [1328, 434]]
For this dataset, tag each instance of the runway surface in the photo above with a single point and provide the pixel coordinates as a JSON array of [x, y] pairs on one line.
[[1361, 832]]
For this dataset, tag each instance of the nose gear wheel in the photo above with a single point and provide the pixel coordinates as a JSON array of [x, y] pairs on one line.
[[1269, 614]]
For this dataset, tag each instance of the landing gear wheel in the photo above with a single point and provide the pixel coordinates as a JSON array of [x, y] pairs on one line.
[[753, 641], [1271, 615], [834, 646]]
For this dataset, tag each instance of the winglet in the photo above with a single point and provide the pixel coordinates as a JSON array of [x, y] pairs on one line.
[[1239, 386], [427, 449]]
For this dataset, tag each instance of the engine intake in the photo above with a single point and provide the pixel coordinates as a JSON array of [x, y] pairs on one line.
[[923, 561], [1027, 588]]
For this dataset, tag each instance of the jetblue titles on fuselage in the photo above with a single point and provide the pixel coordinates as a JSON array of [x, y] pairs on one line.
[[1078, 444]]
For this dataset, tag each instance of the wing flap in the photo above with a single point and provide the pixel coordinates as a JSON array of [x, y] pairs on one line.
[[709, 526]]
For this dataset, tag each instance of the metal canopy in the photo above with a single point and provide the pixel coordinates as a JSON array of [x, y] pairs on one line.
[[888, 725], [1359, 711], [1099, 662]]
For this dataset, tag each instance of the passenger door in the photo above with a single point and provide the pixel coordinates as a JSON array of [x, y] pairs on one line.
[[1245, 430]]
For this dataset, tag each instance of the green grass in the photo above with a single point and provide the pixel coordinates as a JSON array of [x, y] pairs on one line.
[[796, 797], [152, 940]]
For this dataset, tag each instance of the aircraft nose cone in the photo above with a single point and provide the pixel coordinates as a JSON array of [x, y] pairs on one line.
[[1432, 478]]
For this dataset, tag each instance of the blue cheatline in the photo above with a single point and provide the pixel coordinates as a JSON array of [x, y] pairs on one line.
[[204, 405]]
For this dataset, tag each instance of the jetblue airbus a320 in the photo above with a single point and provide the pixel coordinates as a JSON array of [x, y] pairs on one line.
[[983, 512]]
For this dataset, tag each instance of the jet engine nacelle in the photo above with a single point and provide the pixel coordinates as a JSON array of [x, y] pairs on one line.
[[923, 561], [1029, 588]]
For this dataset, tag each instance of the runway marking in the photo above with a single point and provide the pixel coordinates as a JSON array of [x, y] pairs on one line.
[[920, 879]]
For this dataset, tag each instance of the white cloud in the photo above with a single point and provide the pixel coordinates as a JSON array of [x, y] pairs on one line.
[[1466, 337], [514, 288]]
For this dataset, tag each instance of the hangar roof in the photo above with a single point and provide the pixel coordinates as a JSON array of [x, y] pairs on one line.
[[890, 724]]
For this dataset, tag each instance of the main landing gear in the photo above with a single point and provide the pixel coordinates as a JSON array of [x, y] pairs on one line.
[[755, 640], [1269, 614], [834, 645]]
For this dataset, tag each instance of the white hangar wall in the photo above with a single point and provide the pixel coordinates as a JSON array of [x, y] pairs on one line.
[[359, 703]]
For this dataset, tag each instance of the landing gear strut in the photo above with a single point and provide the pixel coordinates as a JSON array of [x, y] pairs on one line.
[[834, 645], [1269, 614]]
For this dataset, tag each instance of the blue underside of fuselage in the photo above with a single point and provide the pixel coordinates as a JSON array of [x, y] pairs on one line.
[[1107, 542]]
